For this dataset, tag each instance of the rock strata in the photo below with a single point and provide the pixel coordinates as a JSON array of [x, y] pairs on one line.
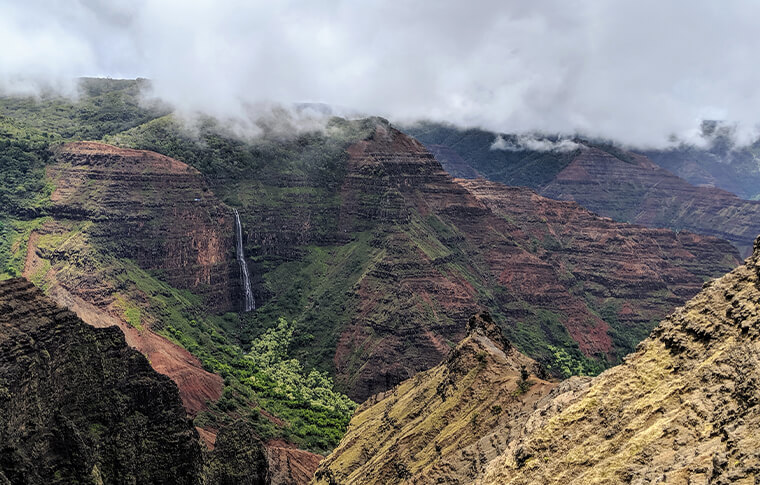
[[154, 210], [547, 270]]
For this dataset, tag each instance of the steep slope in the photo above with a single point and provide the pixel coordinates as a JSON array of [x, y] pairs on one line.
[[159, 213], [154, 213], [719, 162], [452, 162], [449, 253], [424, 428], [682, 409], [78, 406], [610, 264], [604, 179]]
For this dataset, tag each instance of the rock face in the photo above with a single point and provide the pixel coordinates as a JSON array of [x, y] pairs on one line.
[[429, 428], [620, 268], [290, 466], [540, 266], [155, 212], [238, 458], [152, 209], [683, 409], [79, 406], [647, 194]]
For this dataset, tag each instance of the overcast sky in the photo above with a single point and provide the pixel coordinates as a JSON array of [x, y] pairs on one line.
[[635, 71]]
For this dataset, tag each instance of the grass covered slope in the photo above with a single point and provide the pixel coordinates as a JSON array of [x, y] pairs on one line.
[[100, 107], [682, 409], [425, 428]]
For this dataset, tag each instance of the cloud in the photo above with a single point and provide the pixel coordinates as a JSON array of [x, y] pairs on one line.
[[634, 71], [534, 143]]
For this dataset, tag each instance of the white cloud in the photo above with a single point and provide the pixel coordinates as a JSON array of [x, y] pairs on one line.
[[635, 71], [534, 143]]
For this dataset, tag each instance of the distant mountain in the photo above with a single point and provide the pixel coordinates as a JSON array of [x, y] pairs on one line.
[[605, 179], [720, 163]]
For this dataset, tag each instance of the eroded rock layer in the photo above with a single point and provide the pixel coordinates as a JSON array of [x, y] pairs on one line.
[[634, 189], [543, 268], [154, 210], [612, 181], [77, 405], [429, 428]]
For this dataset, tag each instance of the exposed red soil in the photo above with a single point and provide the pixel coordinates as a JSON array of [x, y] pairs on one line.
[[289, 465]]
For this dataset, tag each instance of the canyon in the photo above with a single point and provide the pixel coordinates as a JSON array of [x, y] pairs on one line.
[[423, 251], [269, 277]]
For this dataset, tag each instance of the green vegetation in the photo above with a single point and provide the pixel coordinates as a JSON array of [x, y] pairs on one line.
[[14, 236], [300, 406], [24, 190], [543, 336], [568, 363], [103, 106], [317, 157]]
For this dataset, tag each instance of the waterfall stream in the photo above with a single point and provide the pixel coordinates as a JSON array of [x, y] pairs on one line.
[[250, 303]]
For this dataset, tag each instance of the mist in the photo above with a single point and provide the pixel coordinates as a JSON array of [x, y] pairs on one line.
[[637, 72]]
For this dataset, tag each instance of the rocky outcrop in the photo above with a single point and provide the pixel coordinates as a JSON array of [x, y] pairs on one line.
[[429, 428], [77, 405], [238, 458], [682, 409], [446, 249], [290, 466], [154, 210]]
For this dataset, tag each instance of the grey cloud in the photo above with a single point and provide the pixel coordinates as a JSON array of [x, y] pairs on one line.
[[635, 71]]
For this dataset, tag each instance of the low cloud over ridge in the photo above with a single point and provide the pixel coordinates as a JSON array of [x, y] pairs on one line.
[[633, 71]]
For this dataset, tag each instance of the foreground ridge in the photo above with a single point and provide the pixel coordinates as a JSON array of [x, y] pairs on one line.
[[681, 409], [79, 406]]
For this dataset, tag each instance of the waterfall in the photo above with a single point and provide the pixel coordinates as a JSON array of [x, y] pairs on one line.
[[250, 304]]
